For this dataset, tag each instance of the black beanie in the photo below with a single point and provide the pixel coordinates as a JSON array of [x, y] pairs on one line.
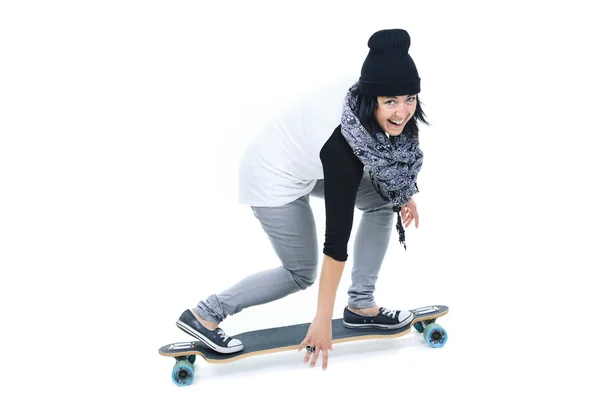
[[388, 70]]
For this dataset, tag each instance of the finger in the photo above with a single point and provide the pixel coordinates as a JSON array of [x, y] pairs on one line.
[[307, 356], [315, 356], [416, 220], [304, 343], [325, 358]]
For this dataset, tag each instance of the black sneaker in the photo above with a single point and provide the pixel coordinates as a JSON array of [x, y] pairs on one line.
[[216, 340], [386, 319]]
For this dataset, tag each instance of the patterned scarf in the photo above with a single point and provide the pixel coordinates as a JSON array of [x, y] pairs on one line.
[[393, 162]]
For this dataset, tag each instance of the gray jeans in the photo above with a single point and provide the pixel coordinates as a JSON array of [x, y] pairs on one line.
[[292, 232]]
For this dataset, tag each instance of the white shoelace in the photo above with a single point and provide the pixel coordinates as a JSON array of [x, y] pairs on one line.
[[389, 313], [222, 334]]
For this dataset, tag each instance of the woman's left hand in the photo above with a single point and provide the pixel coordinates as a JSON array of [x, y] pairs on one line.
[[409, 213]]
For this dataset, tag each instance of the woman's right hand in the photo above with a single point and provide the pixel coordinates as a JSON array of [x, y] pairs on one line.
[[409, 213], [319, 338]]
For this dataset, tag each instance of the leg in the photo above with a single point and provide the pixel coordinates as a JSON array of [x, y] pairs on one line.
[[370, 245], [371, 242], [292, 232]]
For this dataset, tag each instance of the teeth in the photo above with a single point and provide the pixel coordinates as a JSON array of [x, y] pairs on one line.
[[396, 122]]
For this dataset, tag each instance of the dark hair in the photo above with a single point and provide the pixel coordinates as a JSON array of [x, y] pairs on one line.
[[365, 110]]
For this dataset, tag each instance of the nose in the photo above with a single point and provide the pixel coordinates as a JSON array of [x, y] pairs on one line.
[[401, 111]]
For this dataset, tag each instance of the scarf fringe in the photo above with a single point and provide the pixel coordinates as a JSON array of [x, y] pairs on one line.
[[400, 228]]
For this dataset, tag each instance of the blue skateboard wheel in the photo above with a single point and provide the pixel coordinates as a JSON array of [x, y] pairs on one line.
[[419, 327], [435, 335], [183, 373]]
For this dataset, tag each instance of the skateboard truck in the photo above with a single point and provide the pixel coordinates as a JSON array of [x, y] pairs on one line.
[[425, 310], [182, 346], [421, 325]]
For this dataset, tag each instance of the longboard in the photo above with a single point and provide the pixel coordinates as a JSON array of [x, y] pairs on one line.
[[283, 338]]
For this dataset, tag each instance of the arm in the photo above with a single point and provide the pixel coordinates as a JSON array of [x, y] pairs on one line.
[[342, 173], [331, 273]]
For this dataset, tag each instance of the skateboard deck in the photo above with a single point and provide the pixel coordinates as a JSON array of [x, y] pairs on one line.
[[284, 338]]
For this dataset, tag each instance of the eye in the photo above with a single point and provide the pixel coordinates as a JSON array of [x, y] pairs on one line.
[[390, 102], [411, 99]]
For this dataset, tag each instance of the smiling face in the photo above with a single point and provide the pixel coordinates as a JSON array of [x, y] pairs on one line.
[[393, 112]]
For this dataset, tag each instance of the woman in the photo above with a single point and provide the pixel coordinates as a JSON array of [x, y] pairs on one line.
[[370, 160]]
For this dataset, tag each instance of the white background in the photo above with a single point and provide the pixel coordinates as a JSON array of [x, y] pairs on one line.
[[121, 126]]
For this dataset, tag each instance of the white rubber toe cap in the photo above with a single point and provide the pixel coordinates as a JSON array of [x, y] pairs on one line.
[[405, 316]]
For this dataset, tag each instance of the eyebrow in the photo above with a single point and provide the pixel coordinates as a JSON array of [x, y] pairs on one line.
[[395, 97]]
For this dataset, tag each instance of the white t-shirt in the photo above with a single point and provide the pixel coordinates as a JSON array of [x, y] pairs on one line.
[[282, 163]]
